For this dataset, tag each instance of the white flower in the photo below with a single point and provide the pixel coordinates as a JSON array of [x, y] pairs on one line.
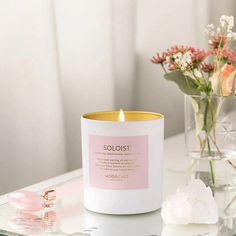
[[168, 58], [178, 55], [230, 22], [210, 30], [183, 60], [187, 57], [229, 35], [234, 36], [210, 27], [197, 73], [227, 22], [222, 23]]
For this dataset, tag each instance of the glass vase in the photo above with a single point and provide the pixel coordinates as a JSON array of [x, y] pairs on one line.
[[210, 136]]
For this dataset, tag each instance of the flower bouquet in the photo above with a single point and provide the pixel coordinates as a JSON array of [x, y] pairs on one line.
[[207, 78]]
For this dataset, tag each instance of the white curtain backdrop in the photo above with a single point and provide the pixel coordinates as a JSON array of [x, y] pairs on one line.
[[60, 59], [85, 55], [32, 141]]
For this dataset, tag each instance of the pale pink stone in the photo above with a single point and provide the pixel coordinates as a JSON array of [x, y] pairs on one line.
[[26, 200]]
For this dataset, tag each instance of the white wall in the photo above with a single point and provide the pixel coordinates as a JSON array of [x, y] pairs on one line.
[[159, 25], [32, 144]]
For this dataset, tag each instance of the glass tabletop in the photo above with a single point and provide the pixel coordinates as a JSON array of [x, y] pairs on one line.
[[68, 217]]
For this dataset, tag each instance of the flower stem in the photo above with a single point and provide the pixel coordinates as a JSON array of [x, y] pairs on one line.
[[208, 142], [232, 164], [163, 67], [211, 162]]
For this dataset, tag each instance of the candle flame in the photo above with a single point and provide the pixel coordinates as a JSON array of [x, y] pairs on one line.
[[121, 116]]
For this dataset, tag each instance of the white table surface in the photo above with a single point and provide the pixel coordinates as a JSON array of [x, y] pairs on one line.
[[74, 220]]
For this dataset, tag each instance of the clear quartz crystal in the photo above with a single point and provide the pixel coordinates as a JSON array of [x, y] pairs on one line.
[[193, 204]]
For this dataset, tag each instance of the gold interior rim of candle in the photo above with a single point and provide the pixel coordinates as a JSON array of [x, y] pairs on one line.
[[129, 116]]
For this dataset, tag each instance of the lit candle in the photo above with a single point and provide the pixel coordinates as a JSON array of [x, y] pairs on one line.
[[121, 116], [122, 161]]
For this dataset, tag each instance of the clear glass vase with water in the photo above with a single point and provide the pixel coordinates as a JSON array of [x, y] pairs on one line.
[[210, 135]]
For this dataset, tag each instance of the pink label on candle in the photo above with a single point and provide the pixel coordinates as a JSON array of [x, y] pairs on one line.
[[118, 162]]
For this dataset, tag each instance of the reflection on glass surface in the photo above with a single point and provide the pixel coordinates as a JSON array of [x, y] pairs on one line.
[[53, 223], [190, 230], [225, 227], [29, 223], [45, 222], [133, 225]]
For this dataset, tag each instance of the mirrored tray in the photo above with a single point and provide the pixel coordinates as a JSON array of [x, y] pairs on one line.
[[68, 217]]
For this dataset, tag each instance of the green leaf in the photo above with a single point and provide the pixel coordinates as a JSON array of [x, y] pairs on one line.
[[210, 113], [204, 113], [185, 83], [198, 116]]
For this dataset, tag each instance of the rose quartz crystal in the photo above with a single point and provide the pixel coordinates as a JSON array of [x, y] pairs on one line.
[[26, 200]]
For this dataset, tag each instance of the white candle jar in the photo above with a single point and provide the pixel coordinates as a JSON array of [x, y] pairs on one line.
[[122, 162]]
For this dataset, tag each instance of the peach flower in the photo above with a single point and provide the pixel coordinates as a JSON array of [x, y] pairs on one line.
[[223, 81]]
